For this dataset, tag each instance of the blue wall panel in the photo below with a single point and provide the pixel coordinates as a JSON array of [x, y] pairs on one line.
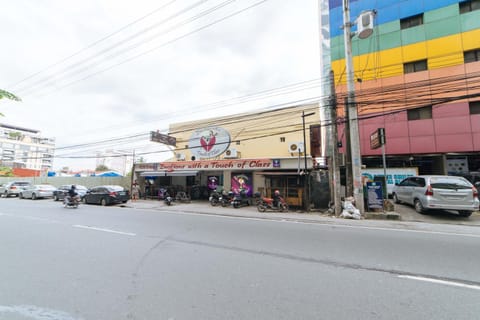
[[388, 10]]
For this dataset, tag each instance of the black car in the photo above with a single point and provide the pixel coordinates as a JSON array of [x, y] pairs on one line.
[[62, 191], [106, 195]]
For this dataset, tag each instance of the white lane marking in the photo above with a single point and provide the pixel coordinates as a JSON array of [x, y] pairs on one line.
[[38, 313], [443, 282], [104, 230]]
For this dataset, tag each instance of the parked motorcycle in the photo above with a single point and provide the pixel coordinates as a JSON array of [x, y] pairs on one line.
[[226, 198], [264, 203], [215, 198], [71, 202], [241, 200]]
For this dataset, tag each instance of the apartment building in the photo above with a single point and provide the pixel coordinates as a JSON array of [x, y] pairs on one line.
[[25, 148], [417, 76]]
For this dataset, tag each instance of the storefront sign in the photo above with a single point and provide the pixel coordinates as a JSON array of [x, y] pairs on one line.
[[209, 142], [240, 164]]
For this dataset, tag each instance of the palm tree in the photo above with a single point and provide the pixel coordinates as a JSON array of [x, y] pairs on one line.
[[8, 95]]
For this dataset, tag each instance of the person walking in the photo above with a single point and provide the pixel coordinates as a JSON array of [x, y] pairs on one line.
[[135, 191]]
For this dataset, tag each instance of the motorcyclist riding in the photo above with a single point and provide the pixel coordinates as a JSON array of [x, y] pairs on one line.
[[72, 194]]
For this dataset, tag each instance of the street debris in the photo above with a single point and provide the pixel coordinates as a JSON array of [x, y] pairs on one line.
[[349, 210]]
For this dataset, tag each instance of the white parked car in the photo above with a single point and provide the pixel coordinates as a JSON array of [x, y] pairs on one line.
[[37, 191], [438, 192]]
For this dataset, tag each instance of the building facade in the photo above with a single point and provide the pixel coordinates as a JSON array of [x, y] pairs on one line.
[[417, 77], [255, 152], [25, 148]]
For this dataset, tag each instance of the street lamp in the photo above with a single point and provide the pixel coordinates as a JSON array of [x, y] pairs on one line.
[[306, 180]]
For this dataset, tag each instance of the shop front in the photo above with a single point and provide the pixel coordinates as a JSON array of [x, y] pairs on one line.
[[200, 178]]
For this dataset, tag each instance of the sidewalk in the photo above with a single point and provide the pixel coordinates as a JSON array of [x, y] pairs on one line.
[[406, 217]]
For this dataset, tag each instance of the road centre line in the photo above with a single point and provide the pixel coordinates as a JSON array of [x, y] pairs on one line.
[[442, 282], [104, 230]]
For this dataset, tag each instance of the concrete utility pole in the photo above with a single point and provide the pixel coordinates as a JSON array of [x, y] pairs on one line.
[[333, 166], [352, 112], [306, 175]]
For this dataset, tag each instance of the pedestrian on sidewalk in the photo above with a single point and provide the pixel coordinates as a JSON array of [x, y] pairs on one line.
[[135, 191]]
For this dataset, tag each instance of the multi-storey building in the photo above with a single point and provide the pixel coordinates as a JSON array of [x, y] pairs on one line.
[[418, 77], [25, 148]]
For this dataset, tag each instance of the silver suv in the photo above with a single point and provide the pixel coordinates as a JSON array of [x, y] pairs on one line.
[[14, 188], [438, 192]]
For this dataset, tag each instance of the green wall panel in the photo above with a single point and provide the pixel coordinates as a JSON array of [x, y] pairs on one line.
[[413, 35], [440, 14], [443, 28], [390, 40], [387, 28], [469, 21]]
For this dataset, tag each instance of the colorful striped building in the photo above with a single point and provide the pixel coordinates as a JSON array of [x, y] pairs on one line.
[[417, 76]]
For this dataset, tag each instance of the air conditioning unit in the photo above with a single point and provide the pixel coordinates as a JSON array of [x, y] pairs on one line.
[[180, 156], [231, 153], [296, 147]]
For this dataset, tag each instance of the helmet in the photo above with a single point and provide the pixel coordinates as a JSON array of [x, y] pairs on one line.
[[73, 186], [277, 193]]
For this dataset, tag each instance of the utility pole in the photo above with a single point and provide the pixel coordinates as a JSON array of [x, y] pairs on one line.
[[364, 30], [306, 175], [334, 168]]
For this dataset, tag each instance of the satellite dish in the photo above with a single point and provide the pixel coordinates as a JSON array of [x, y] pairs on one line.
[[365, 24]]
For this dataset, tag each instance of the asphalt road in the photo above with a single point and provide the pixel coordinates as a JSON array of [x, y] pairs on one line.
[[129, 263]]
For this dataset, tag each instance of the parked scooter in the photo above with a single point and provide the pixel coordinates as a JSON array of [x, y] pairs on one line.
[[167, 199], [275, 204], [241, 200], [71, 202]]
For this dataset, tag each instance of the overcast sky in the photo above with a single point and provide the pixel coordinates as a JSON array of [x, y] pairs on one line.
[[95, 70]]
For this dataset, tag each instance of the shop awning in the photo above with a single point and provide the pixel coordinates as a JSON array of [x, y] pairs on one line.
[[278, 173], [165, 173]]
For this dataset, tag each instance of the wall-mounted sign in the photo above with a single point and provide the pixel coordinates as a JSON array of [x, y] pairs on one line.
[[209, 142], [377, 138], [163, 138]]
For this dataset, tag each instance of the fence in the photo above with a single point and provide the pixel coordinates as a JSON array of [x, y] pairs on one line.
[[88, 182]]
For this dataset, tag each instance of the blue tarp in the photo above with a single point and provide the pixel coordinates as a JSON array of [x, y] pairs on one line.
[[108, 174]]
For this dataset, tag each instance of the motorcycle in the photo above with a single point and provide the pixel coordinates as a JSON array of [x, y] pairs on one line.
[[241, 200], [167, 199], [264, 204], [226, 198], [71, 202], [214, 198]]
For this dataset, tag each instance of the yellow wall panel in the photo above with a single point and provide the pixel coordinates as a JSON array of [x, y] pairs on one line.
[[471, 40], [444, 46], [414, 52]]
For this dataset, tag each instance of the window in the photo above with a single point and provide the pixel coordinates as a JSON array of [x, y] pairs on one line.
[[471, 56], [420, 113], [282, 139], [474, 107], [412, 21], [468, 6], [415, 66]]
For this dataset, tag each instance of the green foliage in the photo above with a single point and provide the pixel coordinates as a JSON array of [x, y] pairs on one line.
[[6, 172], [102, 167], [8, 95]]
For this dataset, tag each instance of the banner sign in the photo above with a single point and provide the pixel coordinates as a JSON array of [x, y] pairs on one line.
[[375, 195], [238, 164]]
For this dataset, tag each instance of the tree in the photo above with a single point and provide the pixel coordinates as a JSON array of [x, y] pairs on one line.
[[8, 95], [101, 167]]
